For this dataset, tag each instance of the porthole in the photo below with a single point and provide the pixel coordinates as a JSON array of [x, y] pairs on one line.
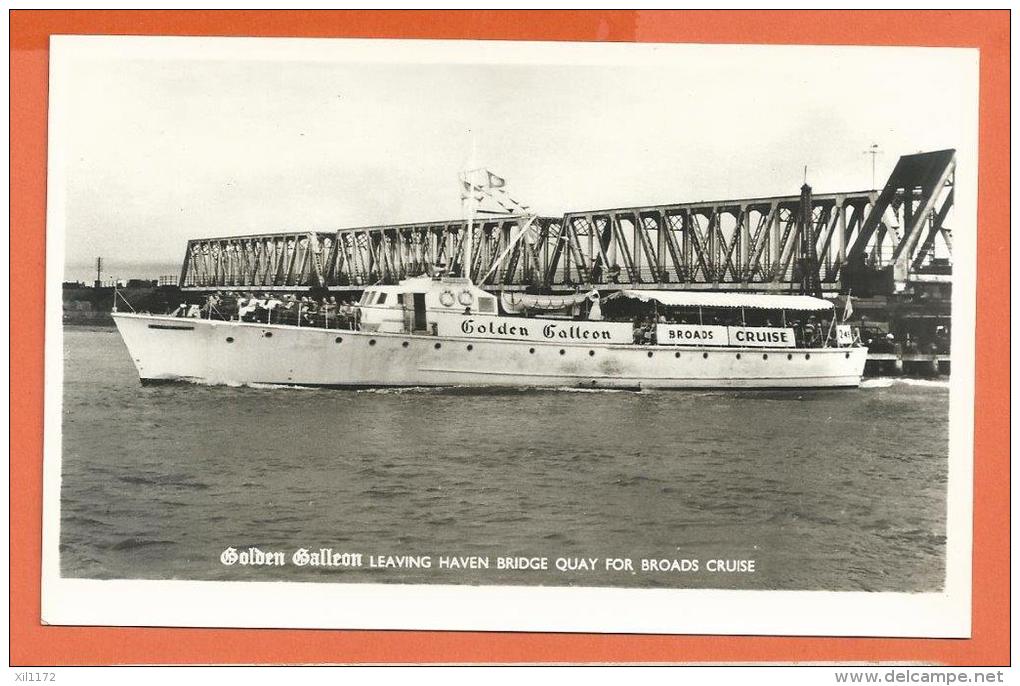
[[765, 356], [789, 356], [562, 351], [230, 339], [650, 353], [470, 347], [846, 355], [705, 355], [267, 334], [405, 344], [438, 346], [676, 355], [807, 356], [532, 351], [738, 356], [371, 341], [338, 339], [591, 353]]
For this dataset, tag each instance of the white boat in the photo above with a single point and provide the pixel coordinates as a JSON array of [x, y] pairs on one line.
[[445, 331]]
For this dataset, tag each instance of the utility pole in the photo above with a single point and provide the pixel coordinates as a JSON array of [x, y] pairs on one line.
[[873, 151]]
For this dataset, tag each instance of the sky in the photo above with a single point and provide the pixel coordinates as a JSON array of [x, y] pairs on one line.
[[164, 141]]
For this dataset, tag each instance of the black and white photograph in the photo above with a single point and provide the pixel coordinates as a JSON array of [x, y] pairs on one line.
[[510, 336]]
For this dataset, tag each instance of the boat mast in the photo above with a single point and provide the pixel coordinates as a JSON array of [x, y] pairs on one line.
[[469, 239]]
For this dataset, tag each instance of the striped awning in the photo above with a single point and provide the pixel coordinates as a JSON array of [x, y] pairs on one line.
[[768, 301]]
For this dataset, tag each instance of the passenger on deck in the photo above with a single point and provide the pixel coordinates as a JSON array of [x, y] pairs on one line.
[[228, 305], [308, 311], [247, 307], [810, 332], [261, 313], [208, 306], [287, 312], [798, 333], [329, 312], [273, 305]]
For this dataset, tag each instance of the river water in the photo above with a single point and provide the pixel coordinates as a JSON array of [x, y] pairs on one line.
[[819, 490]]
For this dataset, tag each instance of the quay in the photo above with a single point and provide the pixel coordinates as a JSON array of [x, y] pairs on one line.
[[912, 364]]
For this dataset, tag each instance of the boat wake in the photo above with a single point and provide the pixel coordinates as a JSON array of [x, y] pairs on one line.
[[886, 382], [486, 390], [453, 389]]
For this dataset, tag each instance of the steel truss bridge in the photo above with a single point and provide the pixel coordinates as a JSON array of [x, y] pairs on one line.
[[756, 244]]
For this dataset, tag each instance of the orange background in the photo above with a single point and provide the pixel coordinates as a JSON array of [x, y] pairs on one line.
[[34, 644]]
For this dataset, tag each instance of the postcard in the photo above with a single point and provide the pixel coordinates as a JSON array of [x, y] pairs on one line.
[[510, 336]]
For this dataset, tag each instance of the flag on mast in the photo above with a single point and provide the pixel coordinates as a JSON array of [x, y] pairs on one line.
[[848, 309]]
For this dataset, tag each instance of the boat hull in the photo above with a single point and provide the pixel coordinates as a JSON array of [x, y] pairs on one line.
[[219, 352]]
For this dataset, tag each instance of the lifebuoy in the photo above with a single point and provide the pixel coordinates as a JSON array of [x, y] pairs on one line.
[[465, 298], [446, 298]]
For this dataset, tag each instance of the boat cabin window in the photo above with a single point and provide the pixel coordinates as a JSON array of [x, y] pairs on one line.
[[382, 298], [366, 297], [487, 305]]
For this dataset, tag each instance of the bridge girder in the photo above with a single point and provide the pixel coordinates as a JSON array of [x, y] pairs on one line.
[[747, 244]]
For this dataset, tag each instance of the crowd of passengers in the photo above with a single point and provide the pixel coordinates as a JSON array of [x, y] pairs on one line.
[[812, 332], [261, 308], [327, 312]]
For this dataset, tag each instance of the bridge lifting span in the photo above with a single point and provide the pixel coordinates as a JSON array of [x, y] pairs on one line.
[[758, 244]]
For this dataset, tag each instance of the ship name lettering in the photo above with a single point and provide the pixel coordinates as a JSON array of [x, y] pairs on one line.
[[400, 561], [252, 557], [469, 562], [575, 333], [325, 557], [469, 326]]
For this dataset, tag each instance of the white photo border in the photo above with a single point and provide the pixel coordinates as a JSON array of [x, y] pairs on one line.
[[66, 601]]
